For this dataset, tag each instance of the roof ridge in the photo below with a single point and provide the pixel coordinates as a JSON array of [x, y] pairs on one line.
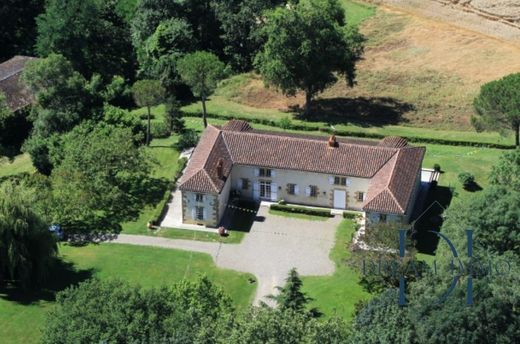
[[263, 133], [210, 179]]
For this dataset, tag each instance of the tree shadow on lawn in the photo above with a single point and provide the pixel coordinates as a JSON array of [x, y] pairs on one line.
[[438, 200], [61, 276], [366, 112]]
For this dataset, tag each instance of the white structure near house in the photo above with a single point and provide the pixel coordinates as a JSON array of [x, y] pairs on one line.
[[381, 178]]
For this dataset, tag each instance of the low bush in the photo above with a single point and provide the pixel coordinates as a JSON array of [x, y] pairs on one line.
[[467, 179], [161, 207], [188, 139], [348, 215], [436, 167], [302, 210], [159, 130], [144, 116]]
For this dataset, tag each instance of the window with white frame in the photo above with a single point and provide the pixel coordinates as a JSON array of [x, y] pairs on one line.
[[199, 213], [360, 196], [382, 218], [313, 191], [199, 197], [265, 172], [265, 189], [291, 189], [340, 181]]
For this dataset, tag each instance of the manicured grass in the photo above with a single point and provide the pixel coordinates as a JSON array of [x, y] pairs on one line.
[[337, 294], [166, 157], [234, 237], [21, 163], [297, 216], [356, 12], [146, 266]]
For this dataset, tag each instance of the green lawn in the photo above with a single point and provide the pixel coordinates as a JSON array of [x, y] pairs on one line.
[[21, 163], [337, 294], [146, 266], [356, 12], [234, 237]]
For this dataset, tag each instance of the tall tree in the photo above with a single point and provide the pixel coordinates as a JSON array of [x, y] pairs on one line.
[[241, 22], [507, 171], [292, 298], [201, 71], [99, 178], [116, 312], [308, 44], [91, 34], [498, 106], [148, 93], [63, 99], [27, 248], [172, 39], [18, 27]]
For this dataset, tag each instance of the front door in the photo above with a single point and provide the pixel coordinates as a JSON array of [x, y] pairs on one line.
[[340, 199], [265, 190]]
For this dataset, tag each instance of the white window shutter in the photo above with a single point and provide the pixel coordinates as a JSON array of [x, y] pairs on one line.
[[193, 213], [296, 189], [256, 190], [257, 172], [204, 214], [307, 191], [274, 191], [273, 173], [331, 180], [349, 182]]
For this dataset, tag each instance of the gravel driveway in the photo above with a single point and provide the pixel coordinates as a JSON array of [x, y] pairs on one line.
[[269, 251]]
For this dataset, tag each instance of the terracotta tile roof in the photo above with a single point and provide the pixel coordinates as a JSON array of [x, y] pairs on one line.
[[392, 187], [393, 141], [17, 95], [392, 166]]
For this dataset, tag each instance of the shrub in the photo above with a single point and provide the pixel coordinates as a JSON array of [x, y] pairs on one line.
[[467, 179], [159, 130], [282, 202], [188, 139], [285, 123], [437, 167], [144, 116], [302, 210], [348, 215]]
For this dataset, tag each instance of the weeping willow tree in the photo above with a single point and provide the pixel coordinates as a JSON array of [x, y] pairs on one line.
[[27, 248]]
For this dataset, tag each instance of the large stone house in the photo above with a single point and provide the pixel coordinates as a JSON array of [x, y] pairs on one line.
[[381, 178]]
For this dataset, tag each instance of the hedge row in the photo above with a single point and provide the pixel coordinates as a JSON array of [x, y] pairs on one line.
[[302, 210], [310, 127], [161, 208], [352, 216]]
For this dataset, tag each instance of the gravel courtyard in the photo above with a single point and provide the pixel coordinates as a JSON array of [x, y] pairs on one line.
[[269, 250]]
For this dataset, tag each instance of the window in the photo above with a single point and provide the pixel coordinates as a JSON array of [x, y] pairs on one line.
[[360, 196], [340, 181], [199, 197], [291, 189], [265, 189], [199, 213], [245, 183], [314, 191], [382, 218], [265, 172]]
